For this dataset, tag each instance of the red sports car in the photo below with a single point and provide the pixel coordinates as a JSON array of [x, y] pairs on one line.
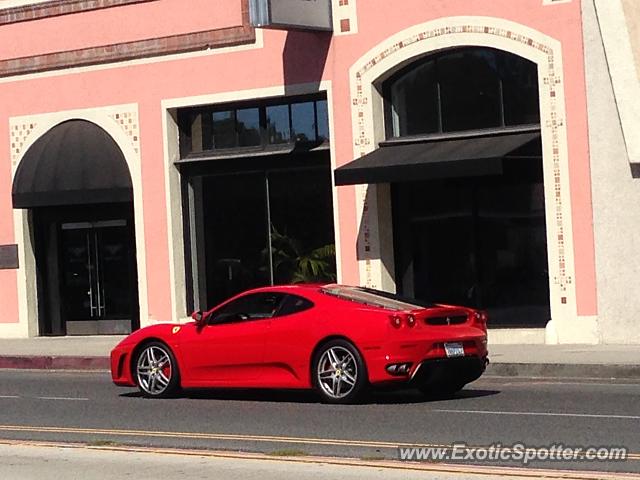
[[336, 339]]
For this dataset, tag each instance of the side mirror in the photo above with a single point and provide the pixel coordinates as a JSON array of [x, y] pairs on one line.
[[199, 318]]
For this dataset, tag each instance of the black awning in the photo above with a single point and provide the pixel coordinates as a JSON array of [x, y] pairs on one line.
[[432, 159], [76, 162]]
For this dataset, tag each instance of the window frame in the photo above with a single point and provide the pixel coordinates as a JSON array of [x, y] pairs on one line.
[[185, 134], [243, 297], [387, 85], [293, 297]]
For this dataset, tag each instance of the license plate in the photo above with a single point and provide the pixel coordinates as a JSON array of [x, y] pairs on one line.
[[454, 349]]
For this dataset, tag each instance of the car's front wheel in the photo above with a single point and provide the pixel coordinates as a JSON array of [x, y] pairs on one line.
[[156, 370], [339, 372]]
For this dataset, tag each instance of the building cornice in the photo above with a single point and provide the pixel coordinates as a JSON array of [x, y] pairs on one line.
[[169, 45], [56, 8]]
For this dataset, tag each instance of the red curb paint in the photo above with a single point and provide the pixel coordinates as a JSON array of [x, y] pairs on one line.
[[41, 362]]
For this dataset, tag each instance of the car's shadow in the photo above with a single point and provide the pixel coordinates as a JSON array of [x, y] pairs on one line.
[[373, 397]]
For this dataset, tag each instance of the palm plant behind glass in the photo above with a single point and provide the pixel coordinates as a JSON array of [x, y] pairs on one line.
[[292, 264]]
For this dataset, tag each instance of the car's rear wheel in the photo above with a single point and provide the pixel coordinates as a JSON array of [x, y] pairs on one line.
[[339, 373], [156, 370]]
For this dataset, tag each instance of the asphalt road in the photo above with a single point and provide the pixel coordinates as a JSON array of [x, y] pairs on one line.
[[86, 407]]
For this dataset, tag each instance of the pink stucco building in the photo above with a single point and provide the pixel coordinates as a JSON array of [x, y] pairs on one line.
[[157, 156]]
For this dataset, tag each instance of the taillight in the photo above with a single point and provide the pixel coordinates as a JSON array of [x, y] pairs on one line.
[[398, 320], [481, 318]]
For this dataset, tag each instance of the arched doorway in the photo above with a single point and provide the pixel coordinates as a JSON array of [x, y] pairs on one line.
[[462, 157], [75, 182]]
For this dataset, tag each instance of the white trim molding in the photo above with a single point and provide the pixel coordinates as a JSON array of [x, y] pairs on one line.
[[121, 123], [367, 121]]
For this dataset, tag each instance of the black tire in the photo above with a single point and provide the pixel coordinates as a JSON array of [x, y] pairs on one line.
[[155, 370], [350, 375]]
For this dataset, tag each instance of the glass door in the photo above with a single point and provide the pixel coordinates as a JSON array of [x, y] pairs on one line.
[[96, 282]]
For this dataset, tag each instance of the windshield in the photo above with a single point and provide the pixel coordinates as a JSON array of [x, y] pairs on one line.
[[376, 298]]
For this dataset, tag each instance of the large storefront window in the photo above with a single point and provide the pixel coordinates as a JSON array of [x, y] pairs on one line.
[[264, 228], [479, 242], [463, 89], [258, 195], [470, 238]]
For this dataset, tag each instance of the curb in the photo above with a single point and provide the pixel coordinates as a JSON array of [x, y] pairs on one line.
[[564, 370], [540, 370], [47, 362]]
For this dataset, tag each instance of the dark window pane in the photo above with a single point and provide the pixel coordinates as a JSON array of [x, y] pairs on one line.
[[115, 258], [303, 122], [487, 251], [294, 304], [254, 306], [302, 235], [322, 120], [278, 130], [77, 267], [520, 90], [513, 253], [248, 127], [235, 231], [224, 129], [470, 90], [414, 98]]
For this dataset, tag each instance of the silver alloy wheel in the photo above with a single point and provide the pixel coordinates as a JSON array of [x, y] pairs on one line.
[[154, 370], [337, 372]]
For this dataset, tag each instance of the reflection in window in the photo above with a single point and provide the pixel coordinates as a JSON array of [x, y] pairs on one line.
[[206, 129], [419, 86], [463, 89], [248, 124], [303, 121], [224, 129], [322, 121], [245, 213], [278, 130]]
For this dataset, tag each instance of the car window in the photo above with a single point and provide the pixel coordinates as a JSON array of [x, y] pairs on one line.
[[294, 304], [254, 306]]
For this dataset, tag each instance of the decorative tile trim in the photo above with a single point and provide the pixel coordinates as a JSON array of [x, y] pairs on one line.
[[445, 33], [345, 17], [56, 8], [19, 133], [127, 119], [189, 42], [22, 128]]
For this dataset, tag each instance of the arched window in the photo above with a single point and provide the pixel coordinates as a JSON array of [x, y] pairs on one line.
[[463, 89]]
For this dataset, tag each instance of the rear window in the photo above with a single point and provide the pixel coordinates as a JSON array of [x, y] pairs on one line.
[[376, 298], [294, 304]]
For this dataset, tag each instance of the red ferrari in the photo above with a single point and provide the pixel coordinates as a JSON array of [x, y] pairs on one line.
[[336, 339]]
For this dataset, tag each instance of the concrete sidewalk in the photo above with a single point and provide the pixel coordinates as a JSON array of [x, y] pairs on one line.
[[581, 361]]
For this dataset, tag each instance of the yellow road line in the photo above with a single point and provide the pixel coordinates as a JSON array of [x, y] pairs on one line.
[[348, 462], [239, 437]]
